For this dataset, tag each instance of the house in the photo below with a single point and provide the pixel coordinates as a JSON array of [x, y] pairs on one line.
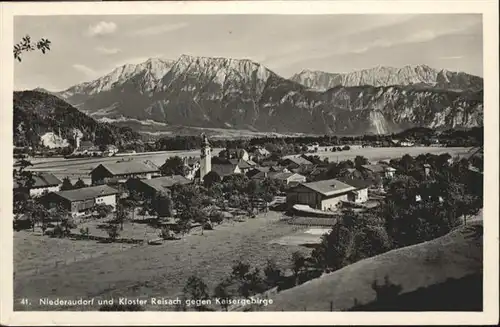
[[322, 195], [406, 142], [259, 153], [234, 154], [83, 200], [243, 165], [226, 169], [120, 172], [111, 150], [191, 167], [291, 179], [360, 194], [255, 170], [42, 183], [295, 162], [288, 178], [269, 163], [382, 170], [149, 188]]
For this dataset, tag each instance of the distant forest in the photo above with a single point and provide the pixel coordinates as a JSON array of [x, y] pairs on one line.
[[419, 135]]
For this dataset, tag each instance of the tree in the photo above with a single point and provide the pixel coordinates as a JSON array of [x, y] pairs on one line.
[[27, 45], [121, 214], [113, 231], [298, 263], [249, 281], [195, 214], [221, 291], [173, 166], [330, 254], [162, 204], [66, 184], [272, 273], [196, 289], [360, 161], [80, 184], [368, 241]]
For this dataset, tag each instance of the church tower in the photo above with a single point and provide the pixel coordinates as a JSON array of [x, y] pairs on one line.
[[205, 157]]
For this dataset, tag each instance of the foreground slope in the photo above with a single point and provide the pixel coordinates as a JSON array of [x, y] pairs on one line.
[[457, 255]]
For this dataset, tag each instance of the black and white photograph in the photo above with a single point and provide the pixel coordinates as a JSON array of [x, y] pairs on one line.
[[249, 162]]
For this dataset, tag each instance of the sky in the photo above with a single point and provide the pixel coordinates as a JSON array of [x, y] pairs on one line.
[[87, 47]]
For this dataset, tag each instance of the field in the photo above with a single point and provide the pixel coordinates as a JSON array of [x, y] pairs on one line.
[[376, 154], [81, 167], [161, 270], [34, 253]]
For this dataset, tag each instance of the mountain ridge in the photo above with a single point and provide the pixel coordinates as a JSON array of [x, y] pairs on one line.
[[217, 92], [388, 75]]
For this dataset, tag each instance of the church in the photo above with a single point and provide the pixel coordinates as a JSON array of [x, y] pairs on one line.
[[205, 157]]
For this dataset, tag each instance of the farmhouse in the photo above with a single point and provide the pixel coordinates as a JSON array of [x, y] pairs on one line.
[[149, 188], [226, 169], [259, 153], [191, 167], [380, 169], [82, 200], [360, 194], [322, 195], [243, 165], [121, 171], [43, 183], [287, 178], [111, 150], [295, 162]]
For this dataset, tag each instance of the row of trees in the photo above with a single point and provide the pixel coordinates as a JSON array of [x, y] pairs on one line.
[[295, 144]]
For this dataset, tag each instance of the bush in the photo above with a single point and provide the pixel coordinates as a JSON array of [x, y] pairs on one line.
[[217, 217]]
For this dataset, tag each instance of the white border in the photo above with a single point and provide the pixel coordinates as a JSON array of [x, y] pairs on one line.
[[489, 9]]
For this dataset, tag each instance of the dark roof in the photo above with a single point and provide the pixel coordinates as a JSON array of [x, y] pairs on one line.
[[260, 175], [282, 176], [240, 162], [128, 167], [87, 193], [160, 183], [356, 182], [269, 163], [224, 169], [377, 168], [298, 160], [329, 187], [43, 180], [255, 170]]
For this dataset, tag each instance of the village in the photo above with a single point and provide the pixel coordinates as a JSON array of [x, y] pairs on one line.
[[129, 203]]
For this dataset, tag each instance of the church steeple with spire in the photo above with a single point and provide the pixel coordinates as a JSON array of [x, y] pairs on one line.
[[205, 157]]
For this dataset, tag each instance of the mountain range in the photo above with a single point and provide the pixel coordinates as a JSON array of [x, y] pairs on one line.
[[387, 76], [242, 94]]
